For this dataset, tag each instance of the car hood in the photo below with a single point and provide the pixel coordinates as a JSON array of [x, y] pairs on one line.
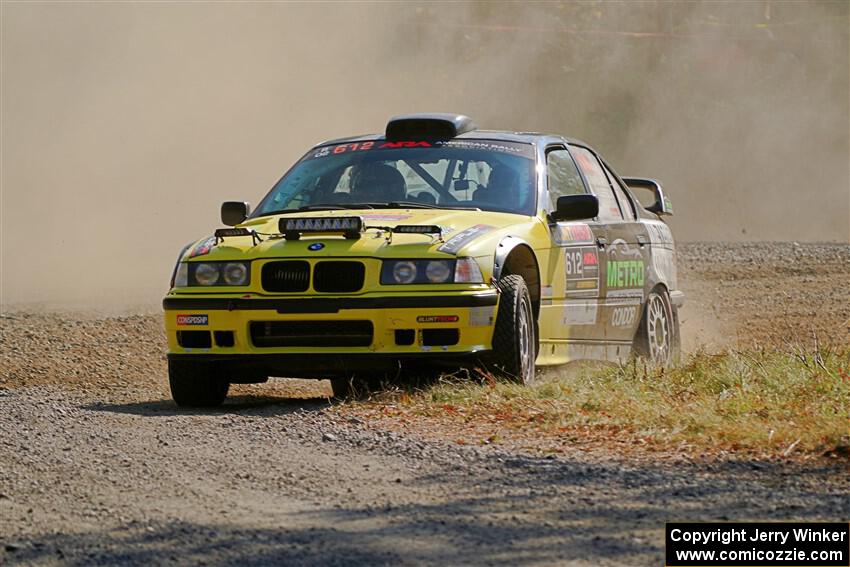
[[463, 234]]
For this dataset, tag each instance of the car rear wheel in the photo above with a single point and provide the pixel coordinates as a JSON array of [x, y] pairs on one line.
[[657, 338], [196, 383], [514, 336]]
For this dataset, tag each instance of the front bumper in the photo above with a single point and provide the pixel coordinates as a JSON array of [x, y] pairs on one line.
[[403, 327], [250, 368]]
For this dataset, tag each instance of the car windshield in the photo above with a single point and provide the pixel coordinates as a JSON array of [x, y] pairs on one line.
[[489, 175]]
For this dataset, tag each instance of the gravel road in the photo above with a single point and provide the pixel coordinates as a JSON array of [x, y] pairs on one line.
[[98, 467]]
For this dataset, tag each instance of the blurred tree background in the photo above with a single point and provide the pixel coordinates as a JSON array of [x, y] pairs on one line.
[[119, 119], [741, 108]]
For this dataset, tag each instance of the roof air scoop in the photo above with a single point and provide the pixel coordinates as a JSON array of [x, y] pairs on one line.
[[433, 126]]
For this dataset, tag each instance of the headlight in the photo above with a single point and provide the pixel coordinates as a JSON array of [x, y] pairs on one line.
[[206, 274], [438, 271], [213, 273], [404, 272], [462, 270], [235, 273]]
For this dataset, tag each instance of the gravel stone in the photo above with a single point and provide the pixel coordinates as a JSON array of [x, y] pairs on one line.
[[99, 466]]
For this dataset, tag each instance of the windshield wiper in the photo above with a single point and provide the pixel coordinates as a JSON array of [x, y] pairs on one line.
[[412, 205], [349, 206], [416, 205], [319, 208]]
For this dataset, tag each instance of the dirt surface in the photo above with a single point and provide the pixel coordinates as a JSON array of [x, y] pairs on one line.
[[97, 466], [765, 294]]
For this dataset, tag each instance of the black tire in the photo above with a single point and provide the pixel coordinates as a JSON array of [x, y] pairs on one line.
[[657, 338], [515, 333], [196, 384], [342, 387]]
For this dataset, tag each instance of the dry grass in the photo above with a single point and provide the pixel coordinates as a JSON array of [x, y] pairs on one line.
[[768, 401]]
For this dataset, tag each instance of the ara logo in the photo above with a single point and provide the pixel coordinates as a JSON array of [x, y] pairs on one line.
[[315, 246], [396, 145]]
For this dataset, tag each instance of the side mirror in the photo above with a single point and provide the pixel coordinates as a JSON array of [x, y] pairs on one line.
[[576, 207], [234, 212], [650, 194], [461, 185]]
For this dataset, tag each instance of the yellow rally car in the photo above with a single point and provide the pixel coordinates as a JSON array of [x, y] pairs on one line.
[[434, 243]]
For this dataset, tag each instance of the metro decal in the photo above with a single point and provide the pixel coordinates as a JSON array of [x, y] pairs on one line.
[[625, 273]]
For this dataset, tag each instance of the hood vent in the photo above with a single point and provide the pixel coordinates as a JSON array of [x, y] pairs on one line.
[[433, 126]]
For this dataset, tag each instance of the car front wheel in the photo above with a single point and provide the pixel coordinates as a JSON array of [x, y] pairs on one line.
[[196, 383], [514, 336]]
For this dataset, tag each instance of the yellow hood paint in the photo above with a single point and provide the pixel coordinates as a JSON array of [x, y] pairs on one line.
[[375, 243]]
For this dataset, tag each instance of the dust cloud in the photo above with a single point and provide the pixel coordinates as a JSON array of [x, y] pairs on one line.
[[124, 125]]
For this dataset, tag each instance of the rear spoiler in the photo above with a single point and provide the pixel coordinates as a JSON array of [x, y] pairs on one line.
[[661, 204]]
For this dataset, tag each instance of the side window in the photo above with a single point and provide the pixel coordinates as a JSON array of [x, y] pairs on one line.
[[609, 210], [563, 176], [625, 203]]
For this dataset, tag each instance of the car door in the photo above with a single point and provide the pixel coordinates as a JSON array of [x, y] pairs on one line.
[[577, 263], [623, 320], [627, 252]]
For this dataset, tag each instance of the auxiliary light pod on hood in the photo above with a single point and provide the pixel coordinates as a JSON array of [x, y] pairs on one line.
[[222, 233], [431, 229], [349, 227]]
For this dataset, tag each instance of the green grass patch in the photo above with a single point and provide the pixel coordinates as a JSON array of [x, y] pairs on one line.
[[765, 401]]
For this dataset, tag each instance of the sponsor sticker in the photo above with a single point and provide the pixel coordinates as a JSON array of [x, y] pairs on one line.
[[626, 270], [437, 319], [626, 294], [464, 237], [625, 273], [621, 249], [192, 319], [580, 313], [659, 233], [663, 257], [665, 265], [624, 316], [203, 247], [515, 148], [480, 316], [581, 265], [388, 217], [574, 233]]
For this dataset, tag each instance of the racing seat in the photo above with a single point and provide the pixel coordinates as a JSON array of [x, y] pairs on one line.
[[502, 188], [378, 183]]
